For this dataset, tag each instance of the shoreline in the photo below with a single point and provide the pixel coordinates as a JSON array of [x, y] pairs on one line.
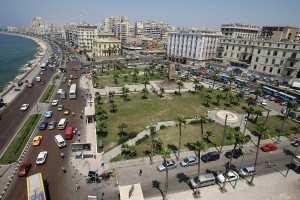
[[41, 52]]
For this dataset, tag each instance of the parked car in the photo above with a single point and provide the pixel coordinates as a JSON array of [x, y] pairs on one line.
[[298, 118], [202, 180], [24, 106], [48, 114], [52, 125], [264, 103], [292, 115], [284, 103], [247, 171], [189, 161], [170, 164], [41, 159], [43, 125], [268, 147], [59, 91], [24, 169], [271, 98], [37, 140], [231, 176], [295, 142], [283, 111], [210, 156], [93, 177], [266, 96], [54, 102], [279, 100], [60, 107], [236, 153]]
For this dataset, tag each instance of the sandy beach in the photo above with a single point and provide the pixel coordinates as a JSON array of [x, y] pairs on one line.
[[40, 54]]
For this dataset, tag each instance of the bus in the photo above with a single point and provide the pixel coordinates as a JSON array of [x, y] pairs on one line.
[[286, 97], [224, 78], [35, 187], [239, 81], [72, 93], [269, 91], [43, 66]]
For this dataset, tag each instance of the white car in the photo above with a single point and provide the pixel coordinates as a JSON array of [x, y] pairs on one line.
[[231, 176], [24, 106], [264, 102], [59, 91], [54, 102], [41, 159]]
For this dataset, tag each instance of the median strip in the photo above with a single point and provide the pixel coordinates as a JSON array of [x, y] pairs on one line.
[[48, 94]]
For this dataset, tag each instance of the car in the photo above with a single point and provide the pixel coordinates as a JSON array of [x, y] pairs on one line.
[[231, 176], [292, 115], [298, 118], [283, 111], [264, 102], [67, 111], [189, 161], [284, 103], [93, 178], [60, 107], [171, 164], [210, 156], [24, 106], [52, 125], [278, 100], [268, 147], [271, 98], [24, 169], [247, 171], [202, 180], [255, 133], [41, 159], [295, 142], [43, 125], [48, 114], [59, 91], [266, 96], [236, 153], [54, 102], [37, 140]]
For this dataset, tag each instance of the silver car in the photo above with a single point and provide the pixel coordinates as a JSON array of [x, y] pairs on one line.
[[247, 171], [202, 180], [170, 164], [189, 161], [52, 125]]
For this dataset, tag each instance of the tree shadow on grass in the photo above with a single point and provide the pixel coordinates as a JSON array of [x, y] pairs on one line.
[[156, 184]]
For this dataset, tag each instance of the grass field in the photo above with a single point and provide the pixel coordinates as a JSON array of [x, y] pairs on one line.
[[16, 147], [48, 93]]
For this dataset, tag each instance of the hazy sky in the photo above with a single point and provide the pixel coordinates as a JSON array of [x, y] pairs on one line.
[[185, 13]]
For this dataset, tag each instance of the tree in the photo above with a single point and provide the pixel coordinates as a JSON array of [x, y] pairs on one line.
[[262, 132], [249, 111], [250, 101], [219, 96], [290, 106], [113, 107], [208, 98], [121, 128], [145, 82], [216, 77], [101, 128], [208, 134], [199, 146], [111, 95], [226, 90], [196, 82], [165, 154], [257, 114], [230, 80], [180, 85], [242, 85], [98, 98], [162, 90], [258, 93], [180, 121], [116, 76], [145, 92], [125, 78], [239, 96], [125, 91]]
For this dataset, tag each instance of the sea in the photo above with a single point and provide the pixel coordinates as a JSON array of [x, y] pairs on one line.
[[15, 53]]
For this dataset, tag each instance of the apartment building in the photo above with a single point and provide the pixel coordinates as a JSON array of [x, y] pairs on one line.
[[110, 23], [83, 37], [280, 33], [240, 31], [122, 31], [106, 46], [201, 46], [262, 58]]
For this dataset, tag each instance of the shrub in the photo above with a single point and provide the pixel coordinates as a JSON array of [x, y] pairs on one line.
[[139, 141], [162, 127]]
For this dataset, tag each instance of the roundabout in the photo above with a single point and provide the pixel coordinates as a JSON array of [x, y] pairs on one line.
[[231, 117]]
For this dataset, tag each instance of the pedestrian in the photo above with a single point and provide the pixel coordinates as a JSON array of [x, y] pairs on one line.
[[102, 163], [77, 186], [141, 172]]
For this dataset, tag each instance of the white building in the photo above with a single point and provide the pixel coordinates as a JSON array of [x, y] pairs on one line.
[[192, 46], [122, 31], [83, 37], [240, 31]]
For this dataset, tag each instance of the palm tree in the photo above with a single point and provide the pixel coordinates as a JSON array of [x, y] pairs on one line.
[[146, 71], [258, 93], [113, 107], [101, 128], [249, 111], [145, 82], [180, 121], [125, 78], [219, 96], [196, 82], [116, 76], [257, 114], [230, 80], [162, 90], [208, 98], [262, 132], [98, 98], [111, 95], [208, 134], [227, 90], [216, 77], [239, 96], [180, 85], [290, 106], [250, 101], [199, 146], [145, 92], [125, 91], [166, 154], [121, 128]]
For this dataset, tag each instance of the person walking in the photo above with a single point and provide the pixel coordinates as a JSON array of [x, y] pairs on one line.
[[141, 172]]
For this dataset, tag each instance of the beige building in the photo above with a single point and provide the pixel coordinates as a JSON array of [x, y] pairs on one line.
[[262, 58], [240, 31], [83, 37], [106, 47], [280, 33]]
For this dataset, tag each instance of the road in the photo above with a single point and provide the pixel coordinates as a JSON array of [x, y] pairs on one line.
[[153, 182]]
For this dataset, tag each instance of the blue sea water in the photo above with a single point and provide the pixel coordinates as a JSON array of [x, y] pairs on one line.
[[15, 53]]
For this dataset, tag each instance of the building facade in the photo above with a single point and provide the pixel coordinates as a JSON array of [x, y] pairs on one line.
[[280, 33], [262, 58], [83, 37], [240, 31], [106, 47], [183, 46]]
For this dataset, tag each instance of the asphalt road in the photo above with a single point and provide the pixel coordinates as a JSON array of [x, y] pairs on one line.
[[58, 182], [153, 182]]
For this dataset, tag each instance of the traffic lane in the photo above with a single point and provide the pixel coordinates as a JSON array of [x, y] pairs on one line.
[[179, 177]]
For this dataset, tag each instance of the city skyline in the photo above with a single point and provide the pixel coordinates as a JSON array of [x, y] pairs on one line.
[[191, 14]]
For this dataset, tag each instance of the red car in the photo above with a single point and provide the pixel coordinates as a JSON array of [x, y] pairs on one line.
[[278, 100], [268, 147], [24, 169]]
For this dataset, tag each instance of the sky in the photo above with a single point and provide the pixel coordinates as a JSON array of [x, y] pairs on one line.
[[209, 14]]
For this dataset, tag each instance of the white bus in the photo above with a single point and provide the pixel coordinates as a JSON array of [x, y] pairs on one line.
[[72, 93], [43, 66]]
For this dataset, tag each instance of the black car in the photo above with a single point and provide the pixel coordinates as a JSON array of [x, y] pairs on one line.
[[93, 177], [292, 115], [210, 156], [43, 125], [236, 153]]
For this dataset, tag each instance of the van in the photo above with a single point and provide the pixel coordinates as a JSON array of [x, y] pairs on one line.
[[38, 79], [60, 141], [62, 124], [203, 180], [69, 133]]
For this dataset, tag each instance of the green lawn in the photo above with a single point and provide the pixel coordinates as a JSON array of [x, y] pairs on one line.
[[48, 93], [15, 149], [274, 124]]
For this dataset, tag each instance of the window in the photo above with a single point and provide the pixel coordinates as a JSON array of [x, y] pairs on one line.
[[225, 54], [246, 49], [283, 54], [239, 48], [271, 69], [294, 46], [273, 61], [266, 61], [288, 73], [278, 71], [232, 48], [269, 44], [255, 66], [291, 64], [286, 46], [237, 55], [269, 52], [226, 46], [275, 53], [264, 69], [281, 62], [256, 59], [258, 51], [231, 55]]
